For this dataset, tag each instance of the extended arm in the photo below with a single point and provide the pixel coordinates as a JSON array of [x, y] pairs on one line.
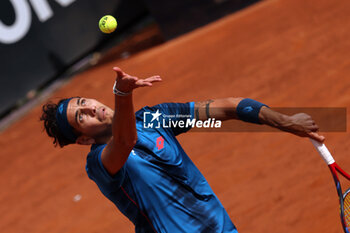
[[299, 124], [123, 125]]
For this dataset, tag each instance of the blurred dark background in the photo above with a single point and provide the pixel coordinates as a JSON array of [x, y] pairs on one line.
[[44, 42]]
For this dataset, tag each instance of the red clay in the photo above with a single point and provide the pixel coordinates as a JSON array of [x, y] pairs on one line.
[[290, 53]]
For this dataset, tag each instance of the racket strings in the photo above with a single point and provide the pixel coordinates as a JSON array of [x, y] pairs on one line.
[[346, 209]]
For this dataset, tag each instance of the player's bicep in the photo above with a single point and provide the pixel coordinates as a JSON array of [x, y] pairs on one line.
[[220, 109]]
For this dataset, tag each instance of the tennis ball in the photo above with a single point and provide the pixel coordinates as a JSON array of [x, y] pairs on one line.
[[107, 24]]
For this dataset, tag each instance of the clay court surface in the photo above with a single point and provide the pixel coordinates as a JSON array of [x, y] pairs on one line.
[[290, 53]]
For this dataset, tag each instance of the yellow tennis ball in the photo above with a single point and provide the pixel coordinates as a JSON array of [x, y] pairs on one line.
[[107, 24]]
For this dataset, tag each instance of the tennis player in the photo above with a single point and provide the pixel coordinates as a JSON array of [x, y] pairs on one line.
[[139, 165]]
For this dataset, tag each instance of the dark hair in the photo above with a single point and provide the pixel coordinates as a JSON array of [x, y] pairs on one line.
[[50, 124]]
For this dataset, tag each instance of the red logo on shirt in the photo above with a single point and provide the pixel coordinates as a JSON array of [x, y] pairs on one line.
[[160, 143]]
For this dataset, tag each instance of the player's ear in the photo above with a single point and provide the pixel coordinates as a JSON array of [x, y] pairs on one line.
[[85, 140]]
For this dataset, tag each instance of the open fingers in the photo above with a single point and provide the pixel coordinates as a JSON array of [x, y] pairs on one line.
[[143, 83], [148, 81], [155, 78]]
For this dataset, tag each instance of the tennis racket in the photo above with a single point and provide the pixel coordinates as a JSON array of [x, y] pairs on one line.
[[344, 198]]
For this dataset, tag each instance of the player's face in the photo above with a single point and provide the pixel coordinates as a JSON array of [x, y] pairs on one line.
[[90, 117]]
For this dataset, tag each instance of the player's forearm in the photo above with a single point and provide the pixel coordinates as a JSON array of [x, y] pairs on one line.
[[247, 110], [274, 119], [124, 124]]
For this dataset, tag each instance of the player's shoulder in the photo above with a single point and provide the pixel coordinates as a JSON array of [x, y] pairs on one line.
[[166, 107], [141, 111], [162, 105], [96, 149]]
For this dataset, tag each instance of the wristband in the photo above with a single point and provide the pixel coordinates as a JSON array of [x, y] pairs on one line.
[[248, 110], [119, 93]]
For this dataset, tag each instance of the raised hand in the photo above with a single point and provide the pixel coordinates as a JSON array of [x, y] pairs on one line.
[[127, 83]]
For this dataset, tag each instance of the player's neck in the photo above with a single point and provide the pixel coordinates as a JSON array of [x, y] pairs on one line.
[[104, 138]]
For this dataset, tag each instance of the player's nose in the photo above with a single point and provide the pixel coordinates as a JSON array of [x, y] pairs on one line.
[[91, 110]]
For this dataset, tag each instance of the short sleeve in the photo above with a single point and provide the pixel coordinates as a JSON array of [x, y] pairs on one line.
[[173, 116], [99, 174]]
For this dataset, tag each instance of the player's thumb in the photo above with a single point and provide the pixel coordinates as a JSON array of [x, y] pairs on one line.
[[317, 137], [119, 72]]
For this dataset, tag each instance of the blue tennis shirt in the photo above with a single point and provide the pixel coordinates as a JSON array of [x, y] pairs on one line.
[[159, 188]]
